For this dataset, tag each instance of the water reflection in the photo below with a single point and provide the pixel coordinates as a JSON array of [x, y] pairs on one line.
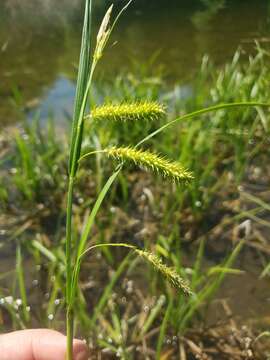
[[40, 39]]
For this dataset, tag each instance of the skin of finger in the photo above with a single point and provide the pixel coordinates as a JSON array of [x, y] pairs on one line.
[[40, 344]]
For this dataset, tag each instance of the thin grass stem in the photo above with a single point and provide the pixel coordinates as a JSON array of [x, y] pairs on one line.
[[75, 149], [201, 112], [84, 82], [106, 245], [92, 153]]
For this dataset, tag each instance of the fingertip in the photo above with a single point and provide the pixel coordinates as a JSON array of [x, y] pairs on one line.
[[80, 350]]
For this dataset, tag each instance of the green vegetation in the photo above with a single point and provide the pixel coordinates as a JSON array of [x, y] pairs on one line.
[[139, 111], [122, 308]]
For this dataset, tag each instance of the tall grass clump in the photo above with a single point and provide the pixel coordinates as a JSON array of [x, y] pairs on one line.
[[151, 161], [133, 111]]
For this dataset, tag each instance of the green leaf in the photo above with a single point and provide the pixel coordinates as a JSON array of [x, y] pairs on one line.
[[83, 75]]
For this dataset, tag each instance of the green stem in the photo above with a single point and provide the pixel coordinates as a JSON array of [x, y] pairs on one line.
[[201, 112], [91, 153], [82, 94], [74, 165], [69, 315], [106, 245], [70, 327], [74, 155], [69, 236]]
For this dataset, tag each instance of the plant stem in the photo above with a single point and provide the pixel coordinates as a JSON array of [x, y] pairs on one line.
[[70, 327], [85, 76], [74, 164], [83, 85], [202, 112], [69, 236], [69, 314]]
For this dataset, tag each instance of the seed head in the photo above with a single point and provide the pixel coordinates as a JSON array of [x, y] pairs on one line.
[[170, 170], [103, 34], [169, 273], [137, 111]]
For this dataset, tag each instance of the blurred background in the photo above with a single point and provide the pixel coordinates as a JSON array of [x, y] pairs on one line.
[[40, 40], [186, 54]]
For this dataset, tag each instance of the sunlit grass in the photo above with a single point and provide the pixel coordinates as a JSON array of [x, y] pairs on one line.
[[217, 147]]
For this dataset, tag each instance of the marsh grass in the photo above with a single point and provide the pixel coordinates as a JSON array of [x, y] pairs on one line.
[[140, 111], [147, 159], [209, 161]]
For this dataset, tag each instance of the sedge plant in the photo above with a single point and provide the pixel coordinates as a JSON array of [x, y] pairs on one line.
[[124, 112]]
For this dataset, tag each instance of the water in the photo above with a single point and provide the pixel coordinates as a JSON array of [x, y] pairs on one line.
[[40, 40]]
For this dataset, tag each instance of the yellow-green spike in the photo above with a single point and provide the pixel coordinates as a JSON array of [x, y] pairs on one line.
[[175, 279], [169, 169], [147, 110]]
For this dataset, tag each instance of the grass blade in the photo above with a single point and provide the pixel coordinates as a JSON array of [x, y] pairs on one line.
[[83, 74], [21, 282], [87, 229], [153, 314], [201, 112], [209, 290], [107, 292], [163, 328]]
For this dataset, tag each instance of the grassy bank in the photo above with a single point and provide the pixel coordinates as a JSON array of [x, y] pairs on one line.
[[203, 230]]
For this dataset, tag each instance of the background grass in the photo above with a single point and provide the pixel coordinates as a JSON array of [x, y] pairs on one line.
[[135, 311]]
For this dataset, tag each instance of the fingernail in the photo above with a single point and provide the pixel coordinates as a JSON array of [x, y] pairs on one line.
[[80, 350], [82, 355]]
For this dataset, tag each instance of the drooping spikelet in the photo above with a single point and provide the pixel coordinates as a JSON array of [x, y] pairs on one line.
[[169, 273], [149, 160], [137, 111]]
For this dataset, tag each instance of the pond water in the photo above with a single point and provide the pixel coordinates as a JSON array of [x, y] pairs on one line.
[[40, 40]]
